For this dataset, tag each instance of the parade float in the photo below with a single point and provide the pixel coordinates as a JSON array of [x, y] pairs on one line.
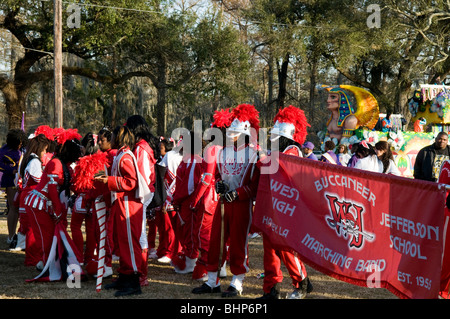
[[355, 113]]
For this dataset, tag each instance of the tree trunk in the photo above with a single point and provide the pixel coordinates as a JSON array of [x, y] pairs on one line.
[[15, 102], [401, 98], [282, 80]]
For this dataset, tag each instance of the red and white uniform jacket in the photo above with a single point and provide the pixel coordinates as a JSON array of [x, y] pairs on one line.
[[125, 177], [146, 161], [171, 160], [189, 173], [31, 178], [48, 195], [237, 167], [129, 193], [206, 194]]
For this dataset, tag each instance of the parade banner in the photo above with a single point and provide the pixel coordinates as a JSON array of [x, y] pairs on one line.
[[369, 229]]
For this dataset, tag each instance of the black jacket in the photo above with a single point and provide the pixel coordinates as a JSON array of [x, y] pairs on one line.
[[423, 167]]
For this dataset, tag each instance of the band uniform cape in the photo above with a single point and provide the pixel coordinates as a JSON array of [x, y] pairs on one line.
[[62, 262]]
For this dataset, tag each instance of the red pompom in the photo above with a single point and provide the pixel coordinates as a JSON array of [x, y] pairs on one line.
[[63, 135], [247, 112], [46, 130], [222, 118], [87, 166], [296, 116]]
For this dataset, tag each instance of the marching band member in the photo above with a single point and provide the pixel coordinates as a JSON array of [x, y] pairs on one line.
[[205, 199], [31, 172], [82, 212], [290, 130], [129, 193], [188, 177], [104, 141], [169, 217], [46, 205], [145, 156], [163, 218], [237, 181]]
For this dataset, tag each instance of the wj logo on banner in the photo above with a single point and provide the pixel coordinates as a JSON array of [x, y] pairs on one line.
[[346, 219]]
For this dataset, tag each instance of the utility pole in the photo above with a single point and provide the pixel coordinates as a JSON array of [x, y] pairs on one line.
[[57, 60]]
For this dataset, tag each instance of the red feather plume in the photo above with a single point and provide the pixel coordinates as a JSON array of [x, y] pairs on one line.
[[87, 166], [222, 118], [247, 112], [296, 116], [46, 130], [63, 135]]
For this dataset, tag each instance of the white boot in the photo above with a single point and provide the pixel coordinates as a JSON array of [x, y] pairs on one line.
[[20, 242], [237, 282], [190, 265], [108, 272], [223, 270], [212, 279]]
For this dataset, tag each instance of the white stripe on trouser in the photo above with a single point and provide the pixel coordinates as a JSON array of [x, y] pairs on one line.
[[129, 235], [299, 266]]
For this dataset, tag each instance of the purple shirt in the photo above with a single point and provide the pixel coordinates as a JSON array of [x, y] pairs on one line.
[[333, 156], [9, 164]]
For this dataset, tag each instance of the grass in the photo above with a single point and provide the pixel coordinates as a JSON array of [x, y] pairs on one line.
[[164, 283]]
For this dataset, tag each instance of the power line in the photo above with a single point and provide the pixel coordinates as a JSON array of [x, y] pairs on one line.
[[25, 48]]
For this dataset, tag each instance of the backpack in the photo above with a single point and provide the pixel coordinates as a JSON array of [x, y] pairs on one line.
[[160, 195]]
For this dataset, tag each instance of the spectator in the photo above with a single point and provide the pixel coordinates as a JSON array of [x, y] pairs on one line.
[[10, 155], [308, 148], [430, 158], [379, 160], [354, 157], [330, 156], [343, 154]]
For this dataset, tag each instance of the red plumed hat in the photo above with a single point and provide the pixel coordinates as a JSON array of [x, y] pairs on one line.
[[291, 123], [244, 117], [222, 118], [63, 135], [87, 166], [46, 130]]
